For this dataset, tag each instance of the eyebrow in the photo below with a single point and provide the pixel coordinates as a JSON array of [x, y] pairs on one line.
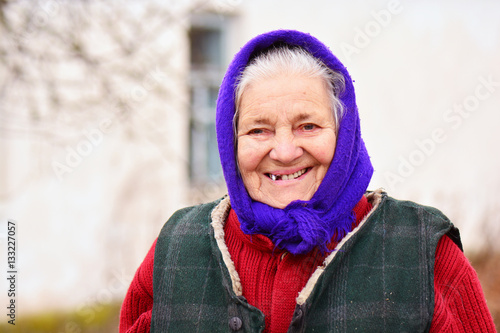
[[299, 117], [259, 120], [302, 116]]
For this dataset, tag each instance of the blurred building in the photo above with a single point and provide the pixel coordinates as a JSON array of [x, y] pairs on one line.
[[107, 121]]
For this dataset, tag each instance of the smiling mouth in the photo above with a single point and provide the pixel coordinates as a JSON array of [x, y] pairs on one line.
[[289, 176]]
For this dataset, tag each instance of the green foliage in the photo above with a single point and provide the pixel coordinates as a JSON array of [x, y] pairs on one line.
[[104, 319]]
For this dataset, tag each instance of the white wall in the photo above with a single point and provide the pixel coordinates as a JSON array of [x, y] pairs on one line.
[[82, 237], [90, 183]]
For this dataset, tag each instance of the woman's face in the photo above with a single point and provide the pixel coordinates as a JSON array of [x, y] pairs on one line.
[[286, 138]]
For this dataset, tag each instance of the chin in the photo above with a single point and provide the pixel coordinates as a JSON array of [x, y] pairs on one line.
[[283, 202]]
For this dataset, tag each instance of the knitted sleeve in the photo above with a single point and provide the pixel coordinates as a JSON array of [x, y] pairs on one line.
[[459, 303], [135, 315]]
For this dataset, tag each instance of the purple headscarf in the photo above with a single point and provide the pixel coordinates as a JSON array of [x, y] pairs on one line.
[[302, 225]]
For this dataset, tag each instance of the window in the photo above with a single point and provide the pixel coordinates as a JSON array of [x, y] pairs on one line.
[[205, 47], [206, 72]]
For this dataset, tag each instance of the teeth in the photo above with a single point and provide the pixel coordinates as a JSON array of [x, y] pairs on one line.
[[288, 177]]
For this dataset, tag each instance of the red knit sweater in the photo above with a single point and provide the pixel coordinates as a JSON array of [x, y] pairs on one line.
[[271, 278], [460, 305]]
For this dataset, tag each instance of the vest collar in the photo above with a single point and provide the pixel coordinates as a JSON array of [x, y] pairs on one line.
[[219, 216]]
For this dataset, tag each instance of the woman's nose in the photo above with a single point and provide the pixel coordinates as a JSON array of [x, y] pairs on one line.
[[285, 149]]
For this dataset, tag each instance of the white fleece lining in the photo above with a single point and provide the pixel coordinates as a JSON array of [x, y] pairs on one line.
[[219, 216], [375, 197]]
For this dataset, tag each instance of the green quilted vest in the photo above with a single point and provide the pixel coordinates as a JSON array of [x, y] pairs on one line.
[[381, 279]]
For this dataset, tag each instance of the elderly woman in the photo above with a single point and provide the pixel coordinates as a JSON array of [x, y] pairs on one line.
[[299, 245]]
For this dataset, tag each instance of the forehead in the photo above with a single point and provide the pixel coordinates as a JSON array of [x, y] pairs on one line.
[[291, 97]]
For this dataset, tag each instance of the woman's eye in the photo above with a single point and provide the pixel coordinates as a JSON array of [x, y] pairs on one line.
[[256, 131], [308, 127]]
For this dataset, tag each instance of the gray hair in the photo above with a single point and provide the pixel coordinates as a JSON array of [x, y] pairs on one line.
[[294, 61]]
